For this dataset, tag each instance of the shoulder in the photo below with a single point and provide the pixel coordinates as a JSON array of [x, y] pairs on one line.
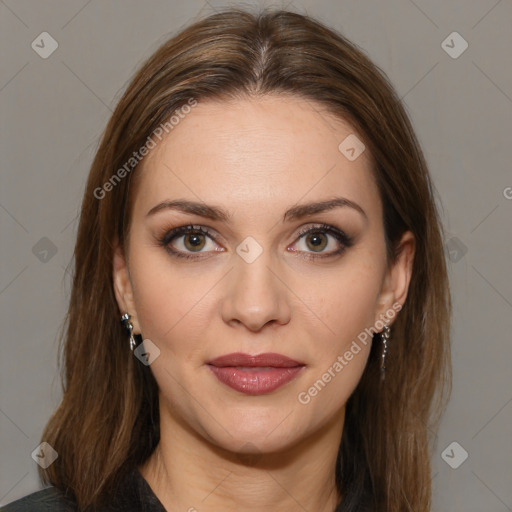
[[50, 499], [133, 494]]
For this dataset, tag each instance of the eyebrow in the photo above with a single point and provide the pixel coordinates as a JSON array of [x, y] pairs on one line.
[[293, 213]]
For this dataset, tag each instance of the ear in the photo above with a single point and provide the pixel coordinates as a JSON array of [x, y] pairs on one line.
[[122, 285], [398, 276]]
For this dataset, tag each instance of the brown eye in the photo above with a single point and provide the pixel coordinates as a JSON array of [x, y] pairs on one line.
[[322, 241], [194, 241], [316, 241], [189, 242]]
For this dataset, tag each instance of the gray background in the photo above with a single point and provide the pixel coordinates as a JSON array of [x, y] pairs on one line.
[[54, 110]]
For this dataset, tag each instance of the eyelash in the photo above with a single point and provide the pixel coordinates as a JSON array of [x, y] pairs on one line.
[[345, 240]]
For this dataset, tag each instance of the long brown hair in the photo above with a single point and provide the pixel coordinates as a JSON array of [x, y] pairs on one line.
[[108, 420]]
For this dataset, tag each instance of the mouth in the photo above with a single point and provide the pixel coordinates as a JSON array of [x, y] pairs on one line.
[[255, 375]]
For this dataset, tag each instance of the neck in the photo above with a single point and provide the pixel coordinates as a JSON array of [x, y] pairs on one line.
[[186, 472]]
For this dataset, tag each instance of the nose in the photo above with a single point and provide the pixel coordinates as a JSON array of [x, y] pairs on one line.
[[255, 296]]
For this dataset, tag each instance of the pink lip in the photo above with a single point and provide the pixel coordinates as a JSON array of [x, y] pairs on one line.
[[255, 375]]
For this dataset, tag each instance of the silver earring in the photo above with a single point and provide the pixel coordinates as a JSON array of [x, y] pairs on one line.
[[125, 320], [384, 336]]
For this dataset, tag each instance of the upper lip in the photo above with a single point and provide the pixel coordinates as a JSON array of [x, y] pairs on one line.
[[268, 359]]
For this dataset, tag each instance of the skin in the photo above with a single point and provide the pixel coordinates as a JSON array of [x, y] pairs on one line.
[[221, 449]]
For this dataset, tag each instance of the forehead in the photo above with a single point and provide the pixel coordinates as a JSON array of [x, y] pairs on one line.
[[263, 152]]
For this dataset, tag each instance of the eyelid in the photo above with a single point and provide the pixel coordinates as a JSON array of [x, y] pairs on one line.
[[166, 236], [341, 236], [179, 231], [321, 226], [169, 235]]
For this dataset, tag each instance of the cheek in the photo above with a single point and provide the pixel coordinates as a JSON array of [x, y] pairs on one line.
[[344, 302], [341, 346], [353, 304], [173, 304], [340, 304]]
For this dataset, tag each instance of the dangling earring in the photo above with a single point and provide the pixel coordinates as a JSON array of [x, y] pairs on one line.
[[384, 336], [125, 320]]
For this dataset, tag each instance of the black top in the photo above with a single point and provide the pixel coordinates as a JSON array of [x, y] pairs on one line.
[[134, 495]]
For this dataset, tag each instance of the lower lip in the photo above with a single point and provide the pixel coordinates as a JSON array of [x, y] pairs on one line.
[[255, 381]]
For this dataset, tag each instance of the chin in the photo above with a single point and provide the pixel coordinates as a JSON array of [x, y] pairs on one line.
[[253, 433], [256, 444]]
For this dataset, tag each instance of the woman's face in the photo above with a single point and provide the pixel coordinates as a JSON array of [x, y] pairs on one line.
[[267, 267]]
